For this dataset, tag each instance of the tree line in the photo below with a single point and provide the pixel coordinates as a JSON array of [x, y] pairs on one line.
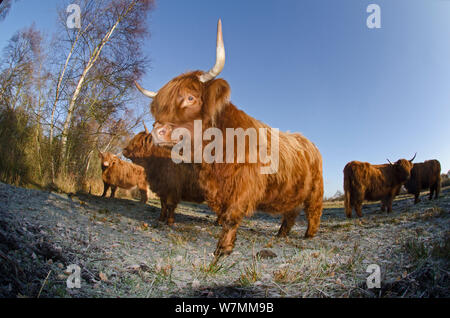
[[68, 95]]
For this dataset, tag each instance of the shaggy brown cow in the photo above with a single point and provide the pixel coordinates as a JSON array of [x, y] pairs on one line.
[[235, 189], [122, 174], [425, 175], [363, 181], [171, 182]]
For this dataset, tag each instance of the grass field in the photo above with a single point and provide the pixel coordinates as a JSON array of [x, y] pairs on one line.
[[123, 251]]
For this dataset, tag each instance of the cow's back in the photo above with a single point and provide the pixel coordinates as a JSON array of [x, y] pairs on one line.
[[424, 175], [299, 173], [125, 175]]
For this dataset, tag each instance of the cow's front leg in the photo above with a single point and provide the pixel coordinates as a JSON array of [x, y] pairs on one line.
[[171, 214], [163, 214], [389, 204], [287, 223], [105, 188], [416, 198], [358, 209], [113, 191], [230, 224], [144, 195], [358, 202]]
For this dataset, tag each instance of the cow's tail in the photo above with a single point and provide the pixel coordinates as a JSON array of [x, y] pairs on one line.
[[347, 191]]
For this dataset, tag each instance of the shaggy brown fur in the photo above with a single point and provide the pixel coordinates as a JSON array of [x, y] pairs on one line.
[[425, 175], [122, 174], [171, 182], [363, 181], [236, 190]]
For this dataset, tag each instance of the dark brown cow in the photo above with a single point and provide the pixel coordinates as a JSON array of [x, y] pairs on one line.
[[122, 174], [425, 175], [170, 181], [234, 189], [364, 181]]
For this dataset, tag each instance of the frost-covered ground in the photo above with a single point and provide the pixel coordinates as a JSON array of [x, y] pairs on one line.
[[124, 252]]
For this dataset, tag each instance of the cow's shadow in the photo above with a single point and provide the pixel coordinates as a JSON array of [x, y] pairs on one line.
[[186, 214], [150, 211], [192, 214]]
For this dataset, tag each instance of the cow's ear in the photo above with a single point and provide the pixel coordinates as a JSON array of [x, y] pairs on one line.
[[216, 97], [100, 155]]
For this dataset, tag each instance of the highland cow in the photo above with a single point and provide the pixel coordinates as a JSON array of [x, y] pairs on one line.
[[236, 189], [118, 173], [364, 181], [171, 182], [425, 175]]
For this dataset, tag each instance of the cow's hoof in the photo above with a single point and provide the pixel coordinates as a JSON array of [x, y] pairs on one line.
[[220, 251]]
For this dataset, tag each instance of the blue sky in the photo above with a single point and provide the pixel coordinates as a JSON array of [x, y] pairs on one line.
[[311, 66]]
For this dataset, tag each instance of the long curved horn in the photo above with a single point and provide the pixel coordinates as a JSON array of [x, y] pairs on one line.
[[413, 157], [389, 161], [144, 91], [146, 130], [220, 57]]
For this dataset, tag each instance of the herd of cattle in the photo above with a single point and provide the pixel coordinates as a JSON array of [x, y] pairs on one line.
[[235, 190]]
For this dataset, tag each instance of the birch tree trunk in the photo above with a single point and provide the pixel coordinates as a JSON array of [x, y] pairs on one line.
[[92, 59]]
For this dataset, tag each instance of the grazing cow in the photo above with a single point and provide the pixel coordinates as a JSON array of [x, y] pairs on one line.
[[363, 181], [425, 175], [235, 188], [170, 181], [122, 174]]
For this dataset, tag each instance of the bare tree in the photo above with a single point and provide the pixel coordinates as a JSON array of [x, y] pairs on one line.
[[103, 57], [69, 96]]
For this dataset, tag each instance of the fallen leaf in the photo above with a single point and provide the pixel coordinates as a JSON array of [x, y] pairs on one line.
[[103, 276]]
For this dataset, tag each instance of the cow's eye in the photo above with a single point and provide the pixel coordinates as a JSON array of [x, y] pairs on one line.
[[190, 98]]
